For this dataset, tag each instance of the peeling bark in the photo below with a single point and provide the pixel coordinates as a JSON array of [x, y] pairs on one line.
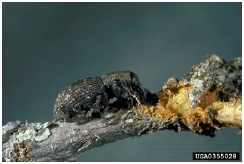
[[205, 100]]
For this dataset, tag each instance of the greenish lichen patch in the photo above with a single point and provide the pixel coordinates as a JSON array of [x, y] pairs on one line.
[[32, 135], [46, 124], [129, 121], [43, 136], [26, 135]]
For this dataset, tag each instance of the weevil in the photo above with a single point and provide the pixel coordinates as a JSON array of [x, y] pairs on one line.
[[91, 95]]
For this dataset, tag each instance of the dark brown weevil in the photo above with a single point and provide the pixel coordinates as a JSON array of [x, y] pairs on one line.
[[90, 96]]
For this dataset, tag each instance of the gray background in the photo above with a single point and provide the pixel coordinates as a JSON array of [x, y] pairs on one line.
[[47, 46]]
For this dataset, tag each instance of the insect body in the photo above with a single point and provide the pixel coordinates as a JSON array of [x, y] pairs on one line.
[[90, 95]]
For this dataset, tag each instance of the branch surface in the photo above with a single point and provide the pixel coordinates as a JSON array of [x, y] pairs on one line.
[[202, 101]]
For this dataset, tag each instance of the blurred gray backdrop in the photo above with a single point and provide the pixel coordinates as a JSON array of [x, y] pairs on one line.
[[47, 46]]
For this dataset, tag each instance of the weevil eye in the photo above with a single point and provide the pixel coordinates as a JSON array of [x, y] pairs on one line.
[[62, 107]]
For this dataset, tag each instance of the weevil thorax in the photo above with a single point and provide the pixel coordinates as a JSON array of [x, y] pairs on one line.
[[124, 77]]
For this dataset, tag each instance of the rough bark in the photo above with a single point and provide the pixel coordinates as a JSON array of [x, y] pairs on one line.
[[202, 101]]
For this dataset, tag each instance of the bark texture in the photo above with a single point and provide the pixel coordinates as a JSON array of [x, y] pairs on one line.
[[202, 101]]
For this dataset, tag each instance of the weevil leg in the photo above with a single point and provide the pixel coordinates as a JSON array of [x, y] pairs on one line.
[[90, 113], [142, 94], [102, 100], [117, 88], [131, 102], [131, 94], [75, 110], [93, 112]]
